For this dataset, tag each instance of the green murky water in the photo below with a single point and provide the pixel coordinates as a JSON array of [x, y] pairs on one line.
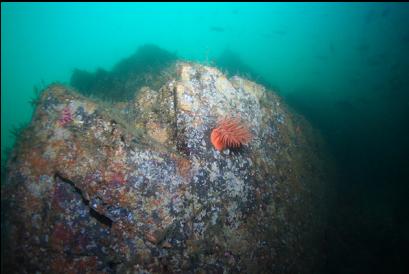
[[343, 66]]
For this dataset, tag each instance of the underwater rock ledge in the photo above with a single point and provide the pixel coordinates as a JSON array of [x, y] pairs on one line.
[[138, 187]]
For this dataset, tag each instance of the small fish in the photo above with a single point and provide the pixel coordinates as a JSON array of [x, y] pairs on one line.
[[216, 29], [344, 105], [405, 38], [361, 100], [355, 78], [385, 12], [332, 48], [370, 15], [362, 48], [376, 60], [279, 32], [321, 57]]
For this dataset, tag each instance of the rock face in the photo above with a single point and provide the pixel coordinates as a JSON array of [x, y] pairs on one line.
[[138, 187]]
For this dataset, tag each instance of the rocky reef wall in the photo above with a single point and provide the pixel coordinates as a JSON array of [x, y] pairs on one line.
[[137, 186]]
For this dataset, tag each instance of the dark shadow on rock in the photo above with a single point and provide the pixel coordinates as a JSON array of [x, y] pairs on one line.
[[146, 67]]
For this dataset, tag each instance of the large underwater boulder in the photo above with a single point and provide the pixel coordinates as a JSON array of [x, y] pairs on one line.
[[138, 187]]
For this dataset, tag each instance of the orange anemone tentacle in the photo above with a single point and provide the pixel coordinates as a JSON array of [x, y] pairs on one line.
[[215, 139], [230, 133]]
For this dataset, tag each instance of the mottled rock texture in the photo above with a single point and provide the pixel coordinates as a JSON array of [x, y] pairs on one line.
[[137, 187]]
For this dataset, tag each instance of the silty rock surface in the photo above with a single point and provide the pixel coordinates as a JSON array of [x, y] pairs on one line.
[[138, 187]]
